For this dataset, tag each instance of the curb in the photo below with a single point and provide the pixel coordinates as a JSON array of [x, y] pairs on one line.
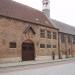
[[26, 63]]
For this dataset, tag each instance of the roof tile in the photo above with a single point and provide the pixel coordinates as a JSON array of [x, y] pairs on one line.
[[19, 11]]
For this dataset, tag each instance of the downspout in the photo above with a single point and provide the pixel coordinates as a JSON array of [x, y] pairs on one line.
[[59, 54]]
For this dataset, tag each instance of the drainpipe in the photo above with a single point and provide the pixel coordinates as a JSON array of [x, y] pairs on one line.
[[72, 46], [66, 46], [59, 54]]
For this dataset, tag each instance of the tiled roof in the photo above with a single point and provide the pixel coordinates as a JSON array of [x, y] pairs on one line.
[[19, 11], [65, 28]]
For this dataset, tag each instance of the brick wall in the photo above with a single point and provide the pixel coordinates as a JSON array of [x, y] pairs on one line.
[[13, 31]]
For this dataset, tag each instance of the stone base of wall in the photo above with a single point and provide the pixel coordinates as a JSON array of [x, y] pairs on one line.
[[9, 60], [45, 58], [63, 56], [56, 57], [18, 59]]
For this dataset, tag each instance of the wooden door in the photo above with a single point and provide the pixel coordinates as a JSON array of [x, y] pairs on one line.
[[28, 51]]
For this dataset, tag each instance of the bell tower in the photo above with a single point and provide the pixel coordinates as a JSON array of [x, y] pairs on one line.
[[46, 7]]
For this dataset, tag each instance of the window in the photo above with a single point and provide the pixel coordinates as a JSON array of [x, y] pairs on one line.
[[54, 46], [48, 46], [42, 45], [54, 35], [12, 45], [42, 33], [69, 39], [45, 3], [62, 38], [73, 39], [49, 34]]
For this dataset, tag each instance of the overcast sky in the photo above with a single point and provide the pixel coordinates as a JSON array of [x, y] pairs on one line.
[[62, 10]]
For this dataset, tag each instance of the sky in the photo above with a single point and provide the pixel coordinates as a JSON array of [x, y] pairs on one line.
[[61, 10]]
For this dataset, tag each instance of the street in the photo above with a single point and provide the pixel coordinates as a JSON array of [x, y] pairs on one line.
[[59, 68]]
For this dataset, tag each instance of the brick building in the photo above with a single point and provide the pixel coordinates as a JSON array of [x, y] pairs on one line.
[[27, 34], [66, 39], [66, 34]]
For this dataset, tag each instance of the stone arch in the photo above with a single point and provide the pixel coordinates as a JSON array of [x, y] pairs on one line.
[[28, 50]]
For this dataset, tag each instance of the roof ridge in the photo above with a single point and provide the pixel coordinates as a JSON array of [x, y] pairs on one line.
[[23, 12], [27, 6], [63, 23], [64, 28]]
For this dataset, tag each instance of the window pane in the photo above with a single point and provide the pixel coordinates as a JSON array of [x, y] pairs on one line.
[[62, 38], [48, 46], [54, 46], [69, 39], [12, 45], [42, 45], [73, 39], [54, 35], [49, 34], [42, 33]]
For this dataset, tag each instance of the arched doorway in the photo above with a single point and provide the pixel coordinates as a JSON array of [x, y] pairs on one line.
[[28, 51]]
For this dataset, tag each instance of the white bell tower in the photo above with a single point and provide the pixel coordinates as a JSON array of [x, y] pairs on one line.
[[46, 7]]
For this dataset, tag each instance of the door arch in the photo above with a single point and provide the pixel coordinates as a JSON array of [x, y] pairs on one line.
[[28, 51]]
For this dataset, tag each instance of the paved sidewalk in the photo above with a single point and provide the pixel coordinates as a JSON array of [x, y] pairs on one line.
[[25, 63]]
